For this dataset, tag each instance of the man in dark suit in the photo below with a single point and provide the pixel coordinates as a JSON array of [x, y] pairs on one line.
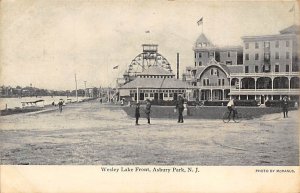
[[137, 113], [148, 110], [180, 108]]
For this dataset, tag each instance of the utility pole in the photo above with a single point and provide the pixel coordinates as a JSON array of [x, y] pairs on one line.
[[85, 94], [76, 88]]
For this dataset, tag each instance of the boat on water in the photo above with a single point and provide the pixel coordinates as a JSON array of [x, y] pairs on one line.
[[27, 106], [38, 104]]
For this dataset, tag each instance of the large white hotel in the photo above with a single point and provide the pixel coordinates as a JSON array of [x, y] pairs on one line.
[[264, 68]]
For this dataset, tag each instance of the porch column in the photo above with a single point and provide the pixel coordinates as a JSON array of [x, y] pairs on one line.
[[289, 78], [137, 94], [211, 94], [272, 81], [240, 84], [199, 94], [255, 79], [223, 94]]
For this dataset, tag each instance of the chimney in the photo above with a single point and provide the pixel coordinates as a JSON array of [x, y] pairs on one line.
[[177, 65]]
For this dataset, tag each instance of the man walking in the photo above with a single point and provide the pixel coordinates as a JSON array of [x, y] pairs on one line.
[[285, 105], [180, 108], [60, 105], [148, 110], [137, 113]]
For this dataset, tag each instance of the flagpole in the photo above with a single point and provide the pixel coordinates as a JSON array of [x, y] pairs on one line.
[[294, 13]]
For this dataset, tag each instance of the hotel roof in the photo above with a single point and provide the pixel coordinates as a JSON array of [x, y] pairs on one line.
[[293, 29], [287, 33]]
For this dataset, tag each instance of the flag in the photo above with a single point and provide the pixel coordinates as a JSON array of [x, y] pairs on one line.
[[200, 21], [292, 9], [147, 31], [116, 67]]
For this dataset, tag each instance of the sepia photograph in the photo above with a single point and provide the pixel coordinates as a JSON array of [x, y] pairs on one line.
[[149, 87]]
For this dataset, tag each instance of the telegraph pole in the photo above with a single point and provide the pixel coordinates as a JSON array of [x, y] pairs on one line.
[[85, 94], [76, 88]]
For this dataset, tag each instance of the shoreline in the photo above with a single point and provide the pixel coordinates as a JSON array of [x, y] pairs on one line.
[[46, 108]]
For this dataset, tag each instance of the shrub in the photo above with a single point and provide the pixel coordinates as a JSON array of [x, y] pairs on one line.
[[246, 103], [215, 103], [164, 103], [278, 103]]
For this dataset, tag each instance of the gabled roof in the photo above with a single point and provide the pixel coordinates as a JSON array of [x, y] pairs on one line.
[[211, 63], [293, 29], [167, 83], [156, 70]]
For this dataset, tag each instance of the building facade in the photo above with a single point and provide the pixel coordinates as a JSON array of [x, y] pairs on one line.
[[154, 83], [264, 68]]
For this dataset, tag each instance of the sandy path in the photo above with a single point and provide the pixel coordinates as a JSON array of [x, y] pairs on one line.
[[90, 133]]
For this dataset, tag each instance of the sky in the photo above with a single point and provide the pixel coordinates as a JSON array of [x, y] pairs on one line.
[[45, 43]]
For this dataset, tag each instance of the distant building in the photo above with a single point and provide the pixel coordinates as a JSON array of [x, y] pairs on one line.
[[265, 68], [155, 83]]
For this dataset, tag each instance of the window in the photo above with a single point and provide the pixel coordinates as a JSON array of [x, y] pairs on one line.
[[246, 45], [146, 95], [287, 68], [207, 82], [195, 54], [246, 69], [228, 54], [246, 56], [256, 69], [165, 94], [200, 55], [287, 55], [228, 62], [151, 94], [277, 55], [223, 82], [276, 68], [219, 82], [256, 56], [211, 71], [195, 64], [256, 45], [287, 43], [170, 94], [200, 63], [204, 82], [277, 44], [267, 56], [267, 44]]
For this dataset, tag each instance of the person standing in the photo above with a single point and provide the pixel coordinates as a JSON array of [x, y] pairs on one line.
[[148, 110], [285, 105], [60, 105], [180, 108], [137, 113]]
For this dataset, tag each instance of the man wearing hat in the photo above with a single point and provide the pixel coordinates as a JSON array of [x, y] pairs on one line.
[[148, 110], [137, 113], [180, 108], [285, 105]]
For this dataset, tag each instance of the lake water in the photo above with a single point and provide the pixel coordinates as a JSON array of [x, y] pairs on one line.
[[16, 102]]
